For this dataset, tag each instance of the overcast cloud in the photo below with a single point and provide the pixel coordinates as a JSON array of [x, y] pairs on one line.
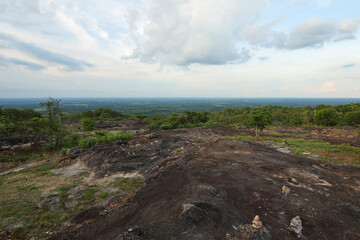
[[194, 31], [177, 45]]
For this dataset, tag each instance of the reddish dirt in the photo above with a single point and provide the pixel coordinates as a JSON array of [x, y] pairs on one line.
[[216, 185]]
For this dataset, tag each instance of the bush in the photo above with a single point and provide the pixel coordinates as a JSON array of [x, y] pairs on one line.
[[91, 141], [327, 117], [352, 118], [71, 141], [259, 120], [88, 124], [100, 133], [155, 125], [210, 124], [167, 125]]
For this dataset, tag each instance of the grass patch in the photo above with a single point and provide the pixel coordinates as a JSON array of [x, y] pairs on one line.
[[25, 200], [86, 141], [103, 195], [129, 185], [261, 139], [341, 154], [318, 149], [88, 195], [14, 157]]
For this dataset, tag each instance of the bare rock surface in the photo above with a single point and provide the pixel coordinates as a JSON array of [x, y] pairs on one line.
[[200, 187]]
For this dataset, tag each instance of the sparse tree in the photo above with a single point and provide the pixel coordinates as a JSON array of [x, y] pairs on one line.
[[52, 122], [259, 120]]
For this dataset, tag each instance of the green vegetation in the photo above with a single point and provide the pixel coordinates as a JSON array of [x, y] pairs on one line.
[[88, 195], [99, 114], [128, 185], [260, 139], [85, 141], [36, 201], [318, 149], [24, 205], [262, 117], [185, 120], [259, 120], [88, 124], [13, 158], [103, 194], [344, 154]]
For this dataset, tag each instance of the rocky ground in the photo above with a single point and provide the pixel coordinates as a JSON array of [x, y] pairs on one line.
[[202, 185]]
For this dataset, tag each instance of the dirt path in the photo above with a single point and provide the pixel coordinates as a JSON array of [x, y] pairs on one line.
[[216, 185]]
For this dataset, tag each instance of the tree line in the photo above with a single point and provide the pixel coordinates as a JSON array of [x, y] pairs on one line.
[[48, 125]]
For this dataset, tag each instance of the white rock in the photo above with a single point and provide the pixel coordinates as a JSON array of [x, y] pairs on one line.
[[296, 225]]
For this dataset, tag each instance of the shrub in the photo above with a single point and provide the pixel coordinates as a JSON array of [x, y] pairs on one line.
[[327, 117], [91, 141], [352, 118], [259, 120], [88, 124], [210, 124], [71, 141]]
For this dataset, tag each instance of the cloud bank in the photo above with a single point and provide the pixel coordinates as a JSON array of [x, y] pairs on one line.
[[311, 34], [69, 63], [195, 31]]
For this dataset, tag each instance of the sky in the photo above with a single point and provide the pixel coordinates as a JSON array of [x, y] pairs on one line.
[[180, 48]]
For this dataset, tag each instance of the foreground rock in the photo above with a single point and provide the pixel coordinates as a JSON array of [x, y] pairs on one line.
[[213, 188], [73, 152], [248, 232]]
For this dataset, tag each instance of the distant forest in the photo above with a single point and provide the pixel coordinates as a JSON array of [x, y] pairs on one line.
[[167, 106]]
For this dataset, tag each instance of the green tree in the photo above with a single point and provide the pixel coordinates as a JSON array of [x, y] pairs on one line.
[[352, 118], [52, 122], [259, 120], [326, 117]]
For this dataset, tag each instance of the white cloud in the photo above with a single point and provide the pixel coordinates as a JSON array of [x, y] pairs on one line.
[[285, 87], [346, 29], [300, 3], [196, 31], [260, 34], [70, 25], [328, 87], [323, 3], [312, 33]]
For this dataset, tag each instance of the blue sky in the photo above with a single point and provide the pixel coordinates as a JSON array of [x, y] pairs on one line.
[[179, 48]]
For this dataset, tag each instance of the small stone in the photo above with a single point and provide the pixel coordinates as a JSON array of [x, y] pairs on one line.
[[186, 207], [285, 190], [256, 223], [293, 180], [4, 148], [296, 225], [121, 142]]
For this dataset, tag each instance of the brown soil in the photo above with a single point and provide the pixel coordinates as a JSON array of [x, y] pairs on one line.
[[201, 186]]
